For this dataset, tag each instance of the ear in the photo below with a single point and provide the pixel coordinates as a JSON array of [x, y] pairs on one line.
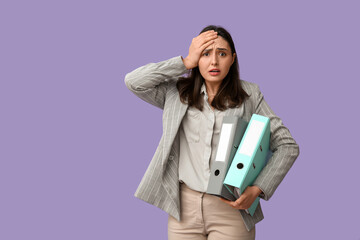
[[234, 55]]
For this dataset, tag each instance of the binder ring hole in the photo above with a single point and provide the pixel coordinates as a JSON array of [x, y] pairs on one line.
[[240, 165], [217, 172]]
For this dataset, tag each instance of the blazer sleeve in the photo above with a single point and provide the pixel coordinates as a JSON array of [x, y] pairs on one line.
[[285, 150], [150, 81]]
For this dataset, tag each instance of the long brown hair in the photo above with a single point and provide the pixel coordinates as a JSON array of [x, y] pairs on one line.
[[230, 93]]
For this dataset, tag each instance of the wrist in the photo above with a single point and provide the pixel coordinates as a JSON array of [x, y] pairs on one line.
[[186, 63], [257, 190]]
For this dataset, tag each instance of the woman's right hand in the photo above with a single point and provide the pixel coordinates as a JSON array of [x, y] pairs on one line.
[[197, 46]]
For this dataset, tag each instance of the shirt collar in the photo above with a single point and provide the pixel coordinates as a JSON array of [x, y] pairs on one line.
[[203, 89]]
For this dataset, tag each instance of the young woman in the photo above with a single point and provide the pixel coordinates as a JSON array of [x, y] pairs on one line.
[[193, 107]]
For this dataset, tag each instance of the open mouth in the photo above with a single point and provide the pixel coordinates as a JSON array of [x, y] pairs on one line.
[[214, 72]]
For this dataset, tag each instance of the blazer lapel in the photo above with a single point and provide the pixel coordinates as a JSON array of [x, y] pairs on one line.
[[173, 114], [235, 111]]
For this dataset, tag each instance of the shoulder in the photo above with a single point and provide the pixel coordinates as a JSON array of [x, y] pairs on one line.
[[253, 90], [250, 88]]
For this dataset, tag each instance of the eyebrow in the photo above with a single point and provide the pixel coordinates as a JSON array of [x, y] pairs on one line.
[[220, 49]]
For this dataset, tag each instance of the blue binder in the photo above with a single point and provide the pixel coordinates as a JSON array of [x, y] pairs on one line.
[[250, 158]]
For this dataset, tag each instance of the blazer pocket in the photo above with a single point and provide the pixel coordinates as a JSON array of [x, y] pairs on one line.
[[191, 125]]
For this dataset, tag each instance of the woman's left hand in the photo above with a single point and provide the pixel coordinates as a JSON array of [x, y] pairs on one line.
[[246, 198]]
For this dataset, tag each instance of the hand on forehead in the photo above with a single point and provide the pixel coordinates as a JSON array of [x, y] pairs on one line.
[[219, 43]]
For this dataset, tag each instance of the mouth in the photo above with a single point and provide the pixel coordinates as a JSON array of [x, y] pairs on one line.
[[214, 72]]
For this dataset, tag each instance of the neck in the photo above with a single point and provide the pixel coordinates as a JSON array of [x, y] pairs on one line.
[[212, 88]]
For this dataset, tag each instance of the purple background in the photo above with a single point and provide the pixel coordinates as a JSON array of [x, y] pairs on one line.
[[75, 142]]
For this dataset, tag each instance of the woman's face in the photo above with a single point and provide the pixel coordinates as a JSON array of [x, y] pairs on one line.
[[216, 60]]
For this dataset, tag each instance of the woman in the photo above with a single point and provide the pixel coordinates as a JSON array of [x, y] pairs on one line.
[[193, 108]]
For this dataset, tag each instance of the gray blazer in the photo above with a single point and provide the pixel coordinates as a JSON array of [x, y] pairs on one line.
[[155, 83]]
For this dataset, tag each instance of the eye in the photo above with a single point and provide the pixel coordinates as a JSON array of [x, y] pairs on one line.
[[206, 54], [222, 54]]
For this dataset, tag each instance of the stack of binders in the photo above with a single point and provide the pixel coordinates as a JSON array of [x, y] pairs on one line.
[[241, 168]]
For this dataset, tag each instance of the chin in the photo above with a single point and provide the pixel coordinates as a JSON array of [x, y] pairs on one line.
[[214, 80]]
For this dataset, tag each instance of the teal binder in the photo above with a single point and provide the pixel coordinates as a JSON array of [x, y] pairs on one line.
[[250, 158]]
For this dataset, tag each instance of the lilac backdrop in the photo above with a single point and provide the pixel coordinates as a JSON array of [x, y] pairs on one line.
[[75, 142]]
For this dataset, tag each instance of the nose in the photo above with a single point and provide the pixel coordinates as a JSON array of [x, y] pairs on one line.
[[214, 59]]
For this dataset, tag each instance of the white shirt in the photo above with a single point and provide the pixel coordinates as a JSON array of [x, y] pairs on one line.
[[199, 137]]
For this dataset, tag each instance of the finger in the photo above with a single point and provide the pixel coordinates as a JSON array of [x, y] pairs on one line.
[[207, 39], [207, 32], [205, 45], [211, 34], [237, 204], [201, 42], [231, 203], [239, 201], [225, 200], [207, 35], [211, 37]]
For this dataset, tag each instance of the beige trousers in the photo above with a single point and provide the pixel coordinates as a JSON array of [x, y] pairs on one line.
[[204, 216]]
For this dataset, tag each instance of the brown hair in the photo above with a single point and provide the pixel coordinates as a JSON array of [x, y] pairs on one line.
[[230, 94]]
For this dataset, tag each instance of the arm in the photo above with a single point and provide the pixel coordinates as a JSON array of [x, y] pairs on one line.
[[285, 150], [150, 81]]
